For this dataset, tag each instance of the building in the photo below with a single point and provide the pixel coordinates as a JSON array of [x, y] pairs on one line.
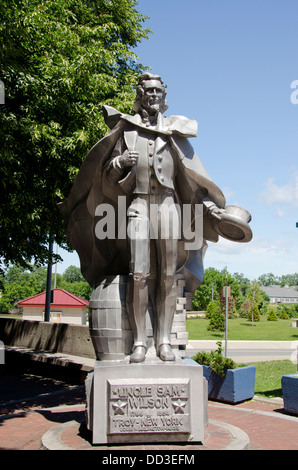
[[65, 308], [280, 294]]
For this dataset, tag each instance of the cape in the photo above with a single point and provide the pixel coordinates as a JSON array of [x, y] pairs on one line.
[[111, 256]]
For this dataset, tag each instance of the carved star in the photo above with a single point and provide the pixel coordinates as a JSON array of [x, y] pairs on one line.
[[119, 407], [179, 406]]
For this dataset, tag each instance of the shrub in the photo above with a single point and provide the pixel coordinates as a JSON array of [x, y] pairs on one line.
[[289, 310], [215, 359], [272, 315], [216, 322], [284, 315], [242, 313], [256, 314], [213, 307]]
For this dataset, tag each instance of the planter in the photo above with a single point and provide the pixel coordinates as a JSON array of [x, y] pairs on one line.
[[237, 385], [289, 384]]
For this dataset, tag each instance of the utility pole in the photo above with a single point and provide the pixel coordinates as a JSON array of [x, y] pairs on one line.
[[226, 294], [49, 284], [55, 277]]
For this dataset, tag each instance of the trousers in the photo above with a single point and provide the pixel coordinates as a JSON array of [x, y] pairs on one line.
[[153, 240]]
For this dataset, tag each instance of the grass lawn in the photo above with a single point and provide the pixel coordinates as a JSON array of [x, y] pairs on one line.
[[268, 373], [268, 377], [242, 329]]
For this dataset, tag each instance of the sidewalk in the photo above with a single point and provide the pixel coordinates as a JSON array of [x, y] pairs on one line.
[[56, 419], [39, 413]]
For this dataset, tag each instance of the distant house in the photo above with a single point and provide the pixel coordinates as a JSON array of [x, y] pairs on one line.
[[280, 294], [65, 308]]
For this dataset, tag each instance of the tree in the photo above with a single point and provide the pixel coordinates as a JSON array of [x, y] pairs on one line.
[[268, 279], [253, 314], [80, 288], [217, 321], [72, 274], [60, 61], [231, 305], [272, 315], [213, 284], [213, 306], [255, 295], [19, 284], [289, 279], [244, 282]]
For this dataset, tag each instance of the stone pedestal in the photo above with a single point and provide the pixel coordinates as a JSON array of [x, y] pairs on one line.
[[149, 402]]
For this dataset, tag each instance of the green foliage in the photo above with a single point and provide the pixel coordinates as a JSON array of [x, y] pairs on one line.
[[72, 274], [216, 321], [213, 307], [214, 282], [286, 311], [60, 62], [241, 329], [255, 295], [270, 279], [271, 316], [20, 283], [253, 314], [232, 313], [80, 288], [268, 377], [283, 315], [215, 359]]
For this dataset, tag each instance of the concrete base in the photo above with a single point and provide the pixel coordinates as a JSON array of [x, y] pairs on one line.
[[149, 402]]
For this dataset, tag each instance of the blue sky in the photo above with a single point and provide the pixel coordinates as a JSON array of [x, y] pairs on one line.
[[229, 64]]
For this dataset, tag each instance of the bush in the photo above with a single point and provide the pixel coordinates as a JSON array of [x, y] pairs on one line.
[[242, 313], [284, 315], [272, 315], [256, 314], [213, 307], [217, 321], [214, 359], [289, 310]]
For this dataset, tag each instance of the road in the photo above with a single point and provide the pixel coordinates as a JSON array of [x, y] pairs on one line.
[[250, 351]]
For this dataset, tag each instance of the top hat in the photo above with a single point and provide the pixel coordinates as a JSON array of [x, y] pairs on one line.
[[234, 224]]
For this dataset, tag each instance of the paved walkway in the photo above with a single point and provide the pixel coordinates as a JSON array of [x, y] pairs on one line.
[[38, 412], [56, 418]]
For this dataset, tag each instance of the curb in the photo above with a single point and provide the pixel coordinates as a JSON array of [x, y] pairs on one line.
[[240, 440], [51, 440]]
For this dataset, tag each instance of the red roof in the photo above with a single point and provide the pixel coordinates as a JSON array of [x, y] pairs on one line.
[[61, 298]]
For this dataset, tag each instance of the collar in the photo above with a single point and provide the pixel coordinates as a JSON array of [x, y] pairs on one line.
[[171, 125]]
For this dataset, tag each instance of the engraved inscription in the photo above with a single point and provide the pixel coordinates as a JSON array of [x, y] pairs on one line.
[[162, 405]]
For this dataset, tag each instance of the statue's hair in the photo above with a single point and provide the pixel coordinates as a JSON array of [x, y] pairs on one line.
[[140, 91]]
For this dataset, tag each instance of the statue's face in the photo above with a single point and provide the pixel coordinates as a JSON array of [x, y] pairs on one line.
[[153, 96]]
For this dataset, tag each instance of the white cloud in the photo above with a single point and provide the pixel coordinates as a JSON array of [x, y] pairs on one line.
[[257, 257], [257, 247], [283, 194]]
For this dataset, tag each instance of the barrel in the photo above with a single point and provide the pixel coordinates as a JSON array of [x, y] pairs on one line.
[[109, 326]]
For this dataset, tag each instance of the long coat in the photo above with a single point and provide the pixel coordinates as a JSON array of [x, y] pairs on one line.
[[90, 189]]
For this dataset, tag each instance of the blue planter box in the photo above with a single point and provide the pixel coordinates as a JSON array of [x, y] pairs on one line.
[[236, 386], [289, 385]]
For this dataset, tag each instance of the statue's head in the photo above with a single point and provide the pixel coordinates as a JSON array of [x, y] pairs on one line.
[[151, 94]]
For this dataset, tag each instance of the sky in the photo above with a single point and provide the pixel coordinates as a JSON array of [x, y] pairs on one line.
[[232, 65]]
